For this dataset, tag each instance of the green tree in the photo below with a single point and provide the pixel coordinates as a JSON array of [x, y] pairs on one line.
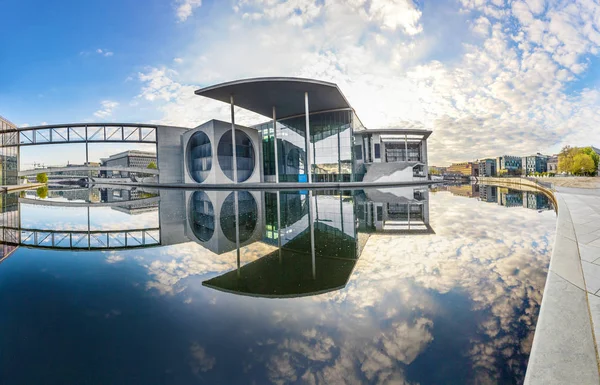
[[595, 157], [42, 177], [583, 164], [42, 192], [565, 158], [152, 165]]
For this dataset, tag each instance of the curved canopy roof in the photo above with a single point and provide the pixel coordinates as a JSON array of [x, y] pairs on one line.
[[286, 94]]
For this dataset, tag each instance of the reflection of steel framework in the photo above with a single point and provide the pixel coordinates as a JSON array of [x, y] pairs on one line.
[[82, 239], [80, 133]]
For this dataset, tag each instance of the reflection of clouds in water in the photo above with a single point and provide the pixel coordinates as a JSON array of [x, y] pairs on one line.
[[497, 257], [385, 317], [201, 361], [76, 218], [189, 259], [113, 258]]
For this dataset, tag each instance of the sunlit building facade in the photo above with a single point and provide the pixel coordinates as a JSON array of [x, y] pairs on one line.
[[312, 135], [9, 156]]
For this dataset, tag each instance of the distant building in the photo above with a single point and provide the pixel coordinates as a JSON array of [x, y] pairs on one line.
[[9, 156], [536, 201], [510, 198], [534, 163], [512, 164], [487, 167], [436, 170], [488, 193], [465, 190], [132, 158], [464, 169], [553, 164]]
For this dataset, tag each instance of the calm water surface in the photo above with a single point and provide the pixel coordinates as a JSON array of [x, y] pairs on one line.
[[401, 285]]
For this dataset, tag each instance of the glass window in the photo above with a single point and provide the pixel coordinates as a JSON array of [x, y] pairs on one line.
[[199, 156], [377, 151], [202, 216], [247, 213], [244, 155]]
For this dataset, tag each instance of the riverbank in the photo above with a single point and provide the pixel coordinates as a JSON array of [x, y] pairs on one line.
[[565, 347], [275, 186]]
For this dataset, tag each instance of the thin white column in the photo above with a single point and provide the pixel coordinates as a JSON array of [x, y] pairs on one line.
[[276, 155], [233, 144], [279, 224], [308, 157], [406, 148], [312, 235], [237, 231]]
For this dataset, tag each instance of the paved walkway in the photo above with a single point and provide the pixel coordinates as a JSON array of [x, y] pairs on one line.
[[565, 347]]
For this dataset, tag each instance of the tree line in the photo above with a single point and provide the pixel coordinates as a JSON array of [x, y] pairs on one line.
[[578, 160]]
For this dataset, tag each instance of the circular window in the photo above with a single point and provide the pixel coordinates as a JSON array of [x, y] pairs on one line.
[[199, 156], [248, 214], [202, 216], [244, 154]]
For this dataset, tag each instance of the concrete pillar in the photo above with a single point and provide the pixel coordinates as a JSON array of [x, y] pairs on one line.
[[308, 157], [237, 231], [406, 148], [424, 157], [312, 235], [279, 224], [233, 144], [276, 150]]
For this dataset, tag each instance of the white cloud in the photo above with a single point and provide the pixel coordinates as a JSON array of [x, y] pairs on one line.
[[107, 109], [185, 8], [503, 91]]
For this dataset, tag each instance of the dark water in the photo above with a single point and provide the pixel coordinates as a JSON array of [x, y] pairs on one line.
[[148, 287]]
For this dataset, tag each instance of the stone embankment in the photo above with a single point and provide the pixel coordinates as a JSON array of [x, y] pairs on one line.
[[564, 348]]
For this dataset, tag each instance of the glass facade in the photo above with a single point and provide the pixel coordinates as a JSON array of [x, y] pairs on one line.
[[202, 216], [331, 147], [245, 157], [247, 213], [9, 154], [199, 156]]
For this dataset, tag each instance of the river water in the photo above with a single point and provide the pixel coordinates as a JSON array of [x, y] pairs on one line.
[[411, 285]]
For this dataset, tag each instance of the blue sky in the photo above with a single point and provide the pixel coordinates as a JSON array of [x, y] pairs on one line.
[[488, 78]]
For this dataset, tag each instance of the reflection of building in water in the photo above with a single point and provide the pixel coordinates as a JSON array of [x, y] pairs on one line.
[[510, 198], [213, 217], [9, 218], [403, 210], [315, 235], [488, 193], [536, 201], [465, 190], [317, 248]]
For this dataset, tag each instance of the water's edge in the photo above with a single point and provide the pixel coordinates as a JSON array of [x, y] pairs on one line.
[[564, 348]]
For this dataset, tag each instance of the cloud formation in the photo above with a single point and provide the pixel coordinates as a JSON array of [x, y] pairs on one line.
[[107, 109], [501, 78], [185, 8]]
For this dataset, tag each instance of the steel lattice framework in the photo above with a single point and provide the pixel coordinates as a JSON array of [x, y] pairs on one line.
[[82, 239], [80, 133]]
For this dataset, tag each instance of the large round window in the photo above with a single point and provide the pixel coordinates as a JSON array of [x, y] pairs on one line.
[[248, 214], [244, 154], [199, 156], [202, 216]]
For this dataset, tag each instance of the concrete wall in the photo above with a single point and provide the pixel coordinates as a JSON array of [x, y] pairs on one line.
[[170, 154], [215, 129]]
